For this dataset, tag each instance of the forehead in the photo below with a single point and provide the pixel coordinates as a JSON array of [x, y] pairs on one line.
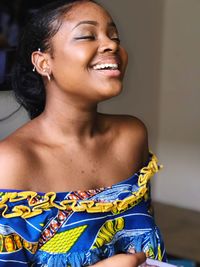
[[80, 12], [88, 11]]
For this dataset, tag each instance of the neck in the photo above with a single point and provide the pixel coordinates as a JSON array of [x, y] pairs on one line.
[[62, 118]]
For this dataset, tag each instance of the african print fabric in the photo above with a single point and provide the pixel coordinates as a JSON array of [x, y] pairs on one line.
[[79, 228]]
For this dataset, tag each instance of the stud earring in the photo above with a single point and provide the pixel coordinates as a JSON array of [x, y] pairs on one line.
[[36, 61]]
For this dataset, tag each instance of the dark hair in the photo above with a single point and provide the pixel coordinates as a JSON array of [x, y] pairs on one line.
[[27, 85]]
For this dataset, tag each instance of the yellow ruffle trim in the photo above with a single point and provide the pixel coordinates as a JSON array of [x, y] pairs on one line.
[[47, 202]]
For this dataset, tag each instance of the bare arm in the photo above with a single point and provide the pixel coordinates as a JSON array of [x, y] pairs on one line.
[[12, 165], [125, 260]]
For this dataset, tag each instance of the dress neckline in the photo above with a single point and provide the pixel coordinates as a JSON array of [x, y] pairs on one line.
[[151, 159]]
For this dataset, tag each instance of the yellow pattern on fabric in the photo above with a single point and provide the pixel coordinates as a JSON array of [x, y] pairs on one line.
[[107, 232], [150, 253], [159, 253], [13, 242], [35, 208], [62, 242]]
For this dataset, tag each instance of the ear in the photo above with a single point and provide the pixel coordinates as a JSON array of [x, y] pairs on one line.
[[40, 63]]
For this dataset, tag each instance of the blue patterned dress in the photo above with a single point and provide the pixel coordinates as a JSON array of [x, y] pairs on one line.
[[79, 228]]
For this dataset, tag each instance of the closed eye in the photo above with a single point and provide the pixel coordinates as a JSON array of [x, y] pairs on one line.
[[92, 37], [116, 39], [87, 37]]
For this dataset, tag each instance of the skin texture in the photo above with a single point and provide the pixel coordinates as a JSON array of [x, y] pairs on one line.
[[71, 146], [123, 260]]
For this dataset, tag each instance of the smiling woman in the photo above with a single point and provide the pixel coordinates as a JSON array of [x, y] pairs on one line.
[[75, 183]]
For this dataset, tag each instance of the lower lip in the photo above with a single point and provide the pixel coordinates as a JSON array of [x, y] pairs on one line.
[[110, 73]]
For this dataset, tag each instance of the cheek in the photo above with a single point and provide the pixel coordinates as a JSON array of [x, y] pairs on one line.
[[79, 57], [66, 65], [124, 57], [69, 69]]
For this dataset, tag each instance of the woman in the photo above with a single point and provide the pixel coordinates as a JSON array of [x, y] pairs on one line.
[[70, 59]]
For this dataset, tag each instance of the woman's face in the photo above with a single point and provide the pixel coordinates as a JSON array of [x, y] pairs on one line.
[[88, 60]]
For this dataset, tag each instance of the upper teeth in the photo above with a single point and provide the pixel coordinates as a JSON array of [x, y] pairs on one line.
[[107, 65]]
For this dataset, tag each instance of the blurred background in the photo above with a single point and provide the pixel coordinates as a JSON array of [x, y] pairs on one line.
[[162, 87]]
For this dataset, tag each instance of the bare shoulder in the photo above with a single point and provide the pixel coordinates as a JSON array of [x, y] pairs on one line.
[[129, 126], [136, 130], [13, 163], [131, 135], [132, 126]]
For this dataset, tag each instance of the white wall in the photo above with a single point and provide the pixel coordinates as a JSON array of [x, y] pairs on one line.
[[162, 88], [179, 120]]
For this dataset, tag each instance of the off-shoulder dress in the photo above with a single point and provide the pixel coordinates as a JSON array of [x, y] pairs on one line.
[[79, 228]]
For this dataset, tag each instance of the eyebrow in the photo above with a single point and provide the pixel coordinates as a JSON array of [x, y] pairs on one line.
[[93, 22]]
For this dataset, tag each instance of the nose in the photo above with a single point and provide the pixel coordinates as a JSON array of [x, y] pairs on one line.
[[108, 45]]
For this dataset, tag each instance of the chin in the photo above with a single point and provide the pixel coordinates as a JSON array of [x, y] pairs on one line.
[[109, 92]]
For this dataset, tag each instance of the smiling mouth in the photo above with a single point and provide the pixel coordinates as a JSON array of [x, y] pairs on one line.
[[106, 66], [111, 70]]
